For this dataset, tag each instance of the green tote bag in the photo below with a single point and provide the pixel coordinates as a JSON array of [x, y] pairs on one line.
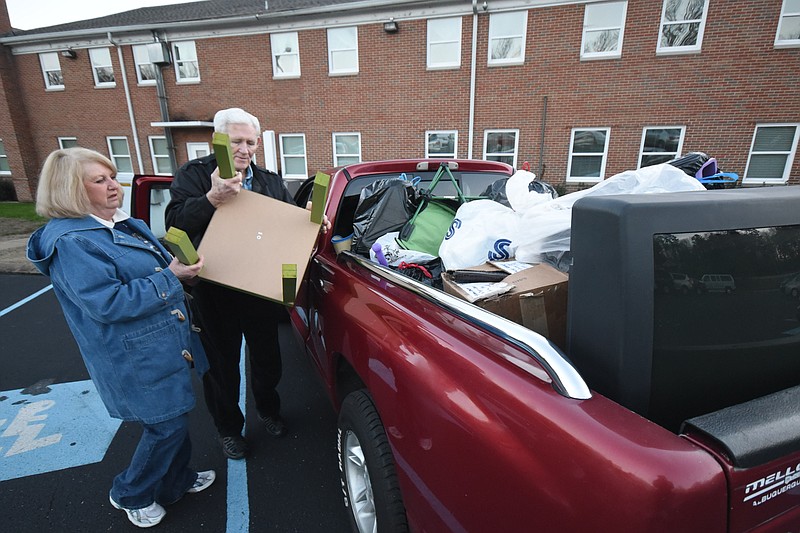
[[426, 230]]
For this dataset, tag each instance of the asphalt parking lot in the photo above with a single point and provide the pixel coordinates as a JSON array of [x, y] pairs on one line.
[[59, 450]]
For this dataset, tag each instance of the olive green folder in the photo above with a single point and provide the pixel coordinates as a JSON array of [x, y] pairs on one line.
[[181, 246], [318, 194], [221, 143]]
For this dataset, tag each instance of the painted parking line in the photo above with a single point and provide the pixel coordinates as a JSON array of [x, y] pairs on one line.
[[238, 510], [24, 301], [49, 427]]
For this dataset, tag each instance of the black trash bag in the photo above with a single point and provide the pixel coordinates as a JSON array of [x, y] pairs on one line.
[[497, 191], [542, 187], [383, 206], [690, 163], [429, 272]]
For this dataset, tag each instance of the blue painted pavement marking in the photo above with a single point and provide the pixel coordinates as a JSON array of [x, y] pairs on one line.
[[52, 428], [26, 300], [238, 500], [65, 425]]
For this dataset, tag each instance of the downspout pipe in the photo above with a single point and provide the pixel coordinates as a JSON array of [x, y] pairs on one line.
[[131, 115], [541, 144], [472, 76], [161, 94]]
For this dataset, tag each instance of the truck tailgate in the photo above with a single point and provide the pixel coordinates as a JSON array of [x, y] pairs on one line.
[[756, 442]]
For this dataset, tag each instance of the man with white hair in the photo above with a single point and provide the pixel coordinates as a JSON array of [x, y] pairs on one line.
[[226, 314]]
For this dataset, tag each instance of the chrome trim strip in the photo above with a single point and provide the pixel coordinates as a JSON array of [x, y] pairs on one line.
[[566, 379]]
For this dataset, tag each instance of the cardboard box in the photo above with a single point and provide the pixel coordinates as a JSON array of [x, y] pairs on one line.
[[537, 300], [260, 245]]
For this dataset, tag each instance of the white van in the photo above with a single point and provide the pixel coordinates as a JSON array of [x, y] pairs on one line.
[[681, 282], [125, 179], [717, 282]]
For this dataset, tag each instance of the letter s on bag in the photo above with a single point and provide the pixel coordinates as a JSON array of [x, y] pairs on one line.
[[452, 229], [500, 250]]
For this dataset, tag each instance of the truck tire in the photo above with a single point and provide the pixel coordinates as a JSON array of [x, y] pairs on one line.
[[366, 465]]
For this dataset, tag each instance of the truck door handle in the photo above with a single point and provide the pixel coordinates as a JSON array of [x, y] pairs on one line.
[[325, 286], [325, 272]]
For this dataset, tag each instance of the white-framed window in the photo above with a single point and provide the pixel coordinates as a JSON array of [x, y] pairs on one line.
[[346, 148], [603, 30], [159, 150], [102, 68], [5, 169], [772, 153], [660, 144], [788, 35], [343, 50], [682, 25], [507, 38], [285, 55], [195, 150], [441, 144], [588, 151], [51, 69], [120, 154], [145, 70], [293, 155], [501, 145], [67, 142], [187, 68], [444, 43]]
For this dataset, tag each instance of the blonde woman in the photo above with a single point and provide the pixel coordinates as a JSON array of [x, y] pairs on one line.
[[122, 296]]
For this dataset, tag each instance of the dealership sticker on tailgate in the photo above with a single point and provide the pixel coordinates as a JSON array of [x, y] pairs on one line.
[[773, 485]]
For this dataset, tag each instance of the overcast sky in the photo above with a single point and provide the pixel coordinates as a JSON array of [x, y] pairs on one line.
[[29, 14]]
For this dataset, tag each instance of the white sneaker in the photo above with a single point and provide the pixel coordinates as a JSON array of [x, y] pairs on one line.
[[203, 481], [146, 517]]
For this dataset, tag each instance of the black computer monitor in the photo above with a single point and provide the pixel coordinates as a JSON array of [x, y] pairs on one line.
[[679, 303]]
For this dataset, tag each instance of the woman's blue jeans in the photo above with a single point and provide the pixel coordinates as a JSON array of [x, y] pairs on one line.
[[159, 469]]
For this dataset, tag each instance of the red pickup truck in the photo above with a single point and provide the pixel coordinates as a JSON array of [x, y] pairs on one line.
[[666, 412]]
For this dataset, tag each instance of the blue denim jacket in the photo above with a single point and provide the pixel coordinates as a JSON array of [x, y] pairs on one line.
[[127, 312]]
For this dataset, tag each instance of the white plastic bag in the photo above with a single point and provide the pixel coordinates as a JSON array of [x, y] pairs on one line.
[[483, 230], [547, 226], [396, 254], [519, 195]]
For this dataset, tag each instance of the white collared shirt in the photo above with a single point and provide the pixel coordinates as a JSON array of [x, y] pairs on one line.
[[119, 216]]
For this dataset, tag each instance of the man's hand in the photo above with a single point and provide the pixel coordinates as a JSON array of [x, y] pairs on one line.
[[223, 190], [326, 224]]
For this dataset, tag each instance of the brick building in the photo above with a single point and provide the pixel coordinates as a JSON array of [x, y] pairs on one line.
[[579, 89]]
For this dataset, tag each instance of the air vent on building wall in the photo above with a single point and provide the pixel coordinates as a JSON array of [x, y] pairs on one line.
[[158, 52]]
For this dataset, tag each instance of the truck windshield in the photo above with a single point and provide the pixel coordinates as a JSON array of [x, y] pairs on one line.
[[471, 183]]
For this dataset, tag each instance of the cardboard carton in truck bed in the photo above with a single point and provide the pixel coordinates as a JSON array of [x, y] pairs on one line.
[[537, 299]]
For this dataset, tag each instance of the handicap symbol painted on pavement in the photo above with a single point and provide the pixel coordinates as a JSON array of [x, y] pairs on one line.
[[55, 427]]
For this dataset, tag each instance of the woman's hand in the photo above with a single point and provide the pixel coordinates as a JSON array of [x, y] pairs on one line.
[[186, 273]]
